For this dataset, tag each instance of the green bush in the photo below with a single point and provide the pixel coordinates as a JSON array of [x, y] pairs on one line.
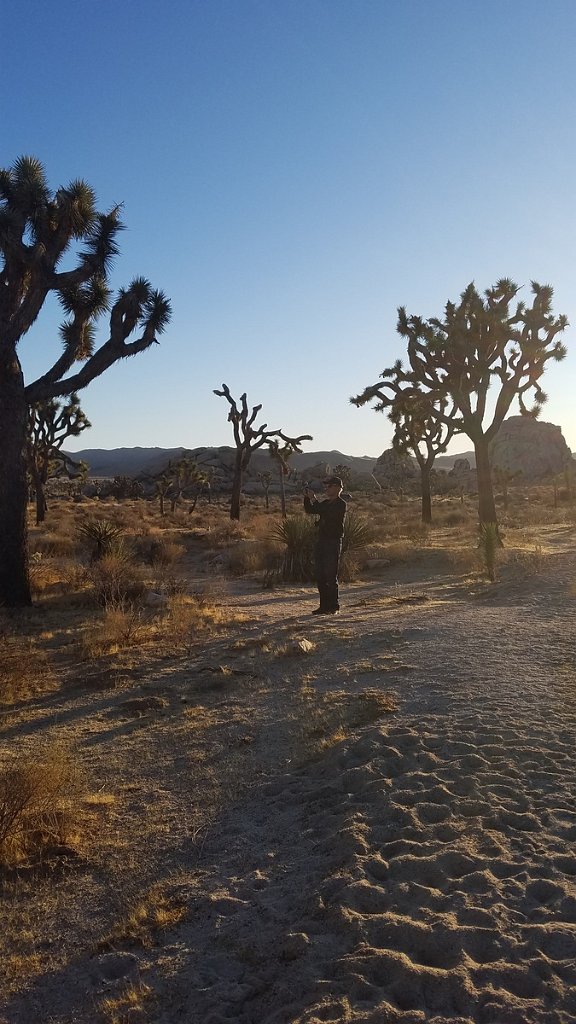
[[358, 532], [299, 533]]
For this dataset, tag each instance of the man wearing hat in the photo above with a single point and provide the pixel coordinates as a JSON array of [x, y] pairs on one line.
[[331, 512]]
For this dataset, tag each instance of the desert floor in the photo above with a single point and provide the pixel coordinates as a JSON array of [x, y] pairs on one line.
[[367, 818]]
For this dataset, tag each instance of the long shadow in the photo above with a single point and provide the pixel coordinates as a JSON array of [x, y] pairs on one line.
[[82, 976]]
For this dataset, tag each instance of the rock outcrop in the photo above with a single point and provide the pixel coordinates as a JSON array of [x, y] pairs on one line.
[[399, 472], [536, 449]]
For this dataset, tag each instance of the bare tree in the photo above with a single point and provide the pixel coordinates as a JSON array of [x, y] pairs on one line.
[[248, 438]]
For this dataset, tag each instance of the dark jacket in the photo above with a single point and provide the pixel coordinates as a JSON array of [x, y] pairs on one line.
[[332, 513]]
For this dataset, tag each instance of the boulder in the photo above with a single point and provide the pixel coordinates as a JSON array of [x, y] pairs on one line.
[[462, 476], [536, 449], [396, 471]]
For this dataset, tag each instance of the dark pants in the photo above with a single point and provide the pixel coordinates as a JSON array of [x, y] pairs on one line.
[[327, 558]]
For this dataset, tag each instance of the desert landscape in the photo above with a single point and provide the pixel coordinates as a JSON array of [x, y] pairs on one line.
[[229, 811]]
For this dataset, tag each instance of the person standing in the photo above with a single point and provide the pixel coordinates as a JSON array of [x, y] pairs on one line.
[[331, 512]]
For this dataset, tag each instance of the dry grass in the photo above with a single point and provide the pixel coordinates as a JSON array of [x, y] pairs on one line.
[[25, 668], [156, 910], [128, 1006], [39, 806], [326, 719]]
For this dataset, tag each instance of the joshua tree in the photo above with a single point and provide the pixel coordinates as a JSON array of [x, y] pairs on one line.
[[247, 438], [265, 479], [345, 474], [182, 478], [162, 485], [502, 478], [281, 454], [37, 229], [186, 479], [419, 430], [49, 424], [480, 342]]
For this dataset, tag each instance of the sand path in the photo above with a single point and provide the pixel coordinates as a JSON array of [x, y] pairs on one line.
[[422, 867]]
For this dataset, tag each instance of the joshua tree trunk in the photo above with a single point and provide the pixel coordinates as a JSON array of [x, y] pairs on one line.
[[14, 585], [41, 503], [236, 488], [426, 494], [486, 503], [282, 493]]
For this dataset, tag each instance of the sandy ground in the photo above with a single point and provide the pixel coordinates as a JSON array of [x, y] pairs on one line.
[[363, 863]]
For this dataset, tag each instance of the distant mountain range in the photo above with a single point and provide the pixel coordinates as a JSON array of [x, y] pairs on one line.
[[108, 463]]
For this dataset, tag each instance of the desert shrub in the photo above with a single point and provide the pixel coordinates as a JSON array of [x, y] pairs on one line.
[[38, 799], [349, 567], [116, 581], [226, 533], [118, 628], [463, 560], [251, 556], [53, 544], [394, 552], [455, 517], [24, 670], [414, 529], [158, 551], [45, 574], [529, 560], [191, 615]]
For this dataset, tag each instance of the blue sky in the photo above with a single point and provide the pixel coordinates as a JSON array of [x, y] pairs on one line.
[[292, 171]]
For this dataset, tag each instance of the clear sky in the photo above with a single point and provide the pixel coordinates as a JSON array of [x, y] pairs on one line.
[[292, 171]]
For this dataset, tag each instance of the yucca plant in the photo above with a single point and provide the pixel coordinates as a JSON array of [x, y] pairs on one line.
[[488, 543], [106, 537], [298, 534], [358, 532]]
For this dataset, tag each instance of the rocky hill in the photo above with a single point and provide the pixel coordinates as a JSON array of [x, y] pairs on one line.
[[535, 448], [109, 463]]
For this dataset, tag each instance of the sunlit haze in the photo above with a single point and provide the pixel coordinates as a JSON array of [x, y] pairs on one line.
[[291, 172]]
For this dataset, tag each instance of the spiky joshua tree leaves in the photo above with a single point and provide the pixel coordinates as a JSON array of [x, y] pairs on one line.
[[247, 438], [38, 229]]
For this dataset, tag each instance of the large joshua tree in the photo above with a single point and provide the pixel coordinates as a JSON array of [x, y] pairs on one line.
[[247, 438], [418, 428], [38, 229], [481, 355]]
